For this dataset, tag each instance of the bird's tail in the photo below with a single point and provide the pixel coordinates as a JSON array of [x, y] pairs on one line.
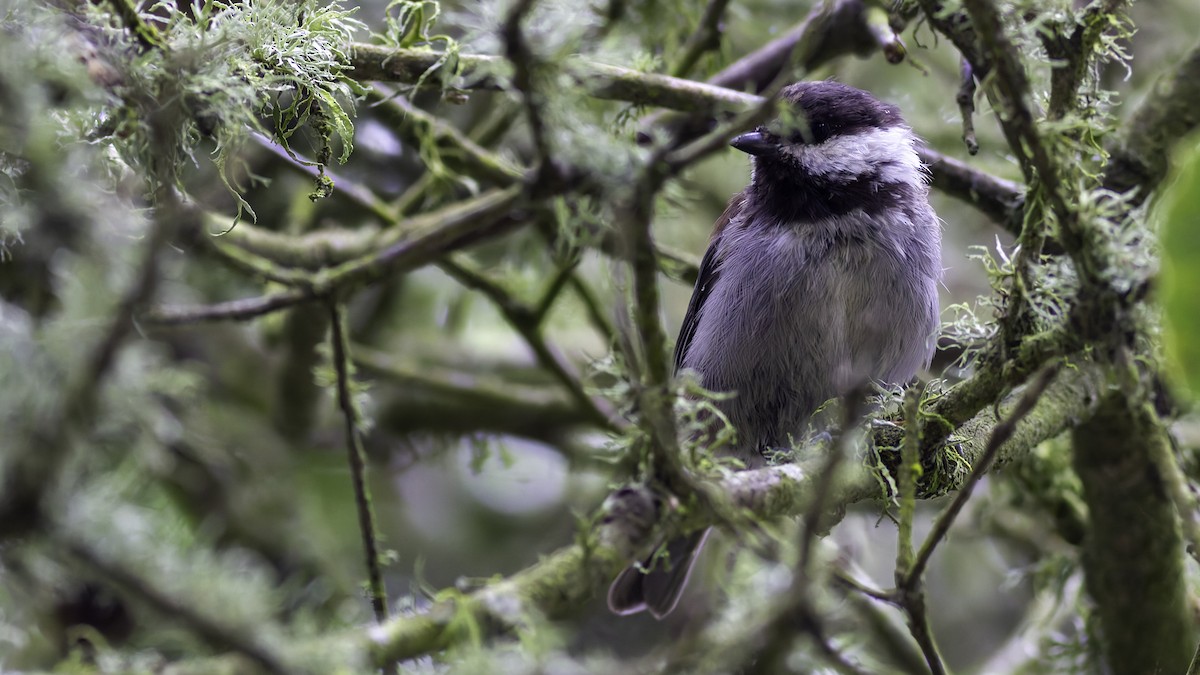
[[657, 590]]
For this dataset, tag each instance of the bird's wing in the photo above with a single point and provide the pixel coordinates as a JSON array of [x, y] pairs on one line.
[[710, 269]]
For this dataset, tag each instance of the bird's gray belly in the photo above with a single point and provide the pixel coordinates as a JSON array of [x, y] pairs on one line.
[[786, 343]]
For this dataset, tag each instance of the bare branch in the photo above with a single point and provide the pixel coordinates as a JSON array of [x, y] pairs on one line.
[[357, 460], [832, 29], [966, 106], [233, 310]]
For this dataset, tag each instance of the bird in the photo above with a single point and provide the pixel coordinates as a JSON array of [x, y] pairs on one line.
[[820, 276]]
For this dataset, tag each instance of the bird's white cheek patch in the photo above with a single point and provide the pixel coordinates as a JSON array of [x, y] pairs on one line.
[[890, 151]]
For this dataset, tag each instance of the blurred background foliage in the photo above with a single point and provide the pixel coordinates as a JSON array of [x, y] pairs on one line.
[[209, 461]]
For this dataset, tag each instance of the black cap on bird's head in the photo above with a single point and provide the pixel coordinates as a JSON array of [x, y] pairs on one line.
[[834, 149], [820, 111]]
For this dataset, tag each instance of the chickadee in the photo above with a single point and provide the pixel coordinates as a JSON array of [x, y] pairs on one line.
[[821, 275]]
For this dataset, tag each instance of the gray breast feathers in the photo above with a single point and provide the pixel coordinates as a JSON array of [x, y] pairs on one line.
[[801, 314]]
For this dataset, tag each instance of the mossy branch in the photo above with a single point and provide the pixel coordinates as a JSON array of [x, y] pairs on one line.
[[614, 83], [624, 528], [1133, 549], [413, 243], [1141, 151], [146, 35]]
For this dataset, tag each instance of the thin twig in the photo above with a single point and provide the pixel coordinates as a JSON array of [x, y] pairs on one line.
[[488, 133], [706, 38], [1000, 435], [526, 321], [233, 310], [525, 63], [877, 627], [853, 410], [560, 280], [909, 593], [906, 479], [591, 304], [459, 152], [357, 461], [912, 602], [966, 105], [845, 578], [832, 29]]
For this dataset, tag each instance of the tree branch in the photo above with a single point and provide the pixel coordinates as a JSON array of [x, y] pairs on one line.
[[706, 38], [833, 28], [357, 460], [233, 310], [1000, 434], [527, 322], [1141, 152], [412, 243], [436, 398], [375, 63], [566, 579], [1133, 551], [459, 152], [1001, 200], [1071, 54]]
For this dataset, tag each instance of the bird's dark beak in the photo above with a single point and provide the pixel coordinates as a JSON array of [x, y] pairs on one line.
[[754, 143]]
